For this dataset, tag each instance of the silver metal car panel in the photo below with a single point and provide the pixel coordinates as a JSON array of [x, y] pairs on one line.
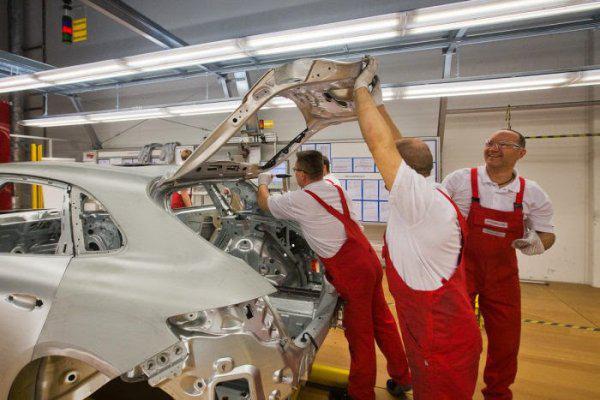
[[158, 274], [24, 276], [322, 90]]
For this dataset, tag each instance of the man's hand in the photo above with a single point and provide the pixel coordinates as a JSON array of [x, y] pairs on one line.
[[265, 178], [367, 74], [530, 245], [376, 92]]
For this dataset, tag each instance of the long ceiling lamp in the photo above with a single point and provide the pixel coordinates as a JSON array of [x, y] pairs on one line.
[[133, 114], [523, 83], [475, 86], [364, 30]]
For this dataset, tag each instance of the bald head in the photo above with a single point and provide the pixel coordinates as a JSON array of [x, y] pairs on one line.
[[519, 138], [416, 154]]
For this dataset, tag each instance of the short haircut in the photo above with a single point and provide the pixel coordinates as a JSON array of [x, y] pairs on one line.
[[326, 163], [521, 142], [416, 154], [185, 153], [311, 162]]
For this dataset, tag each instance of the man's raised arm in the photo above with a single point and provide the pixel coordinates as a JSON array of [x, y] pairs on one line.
[[374, 127]]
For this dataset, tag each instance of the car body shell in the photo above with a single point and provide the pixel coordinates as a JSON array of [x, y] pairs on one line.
[[110, 310]]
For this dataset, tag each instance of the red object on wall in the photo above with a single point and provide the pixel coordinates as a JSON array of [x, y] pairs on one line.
[[6, 191]]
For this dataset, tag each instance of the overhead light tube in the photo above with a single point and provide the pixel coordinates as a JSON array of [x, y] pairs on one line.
[[414, 91], [379, 28]]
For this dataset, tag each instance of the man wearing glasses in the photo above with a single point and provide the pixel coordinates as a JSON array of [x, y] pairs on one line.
[[324, 212], [504, 212]]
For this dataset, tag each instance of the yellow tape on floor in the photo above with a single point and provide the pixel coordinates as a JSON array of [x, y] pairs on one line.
[[572, 326]]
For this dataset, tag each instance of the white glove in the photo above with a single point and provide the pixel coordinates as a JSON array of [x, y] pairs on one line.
[[265, 178], [376, 92], [367, 74], [530, 245]]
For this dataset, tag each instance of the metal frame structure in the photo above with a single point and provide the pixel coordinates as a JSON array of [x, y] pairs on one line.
[[236, 72]]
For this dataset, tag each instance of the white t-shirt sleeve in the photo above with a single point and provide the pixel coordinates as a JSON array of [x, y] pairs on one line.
[[411, 194], [541, 212], [281, 205], [453, 182]]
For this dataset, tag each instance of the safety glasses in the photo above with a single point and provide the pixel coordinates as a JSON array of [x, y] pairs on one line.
[[490, 144]]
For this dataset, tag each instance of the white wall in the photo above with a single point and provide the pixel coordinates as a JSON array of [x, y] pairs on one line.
[[565, 168]]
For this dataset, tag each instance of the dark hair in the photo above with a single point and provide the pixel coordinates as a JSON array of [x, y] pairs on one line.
[[416, 154], [326, 164], [521, 141], [311, 162], [185, 153]]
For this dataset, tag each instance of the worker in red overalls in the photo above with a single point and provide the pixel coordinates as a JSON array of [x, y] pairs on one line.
[[424, 256], [504, 212], [331, 229], [181, 198]]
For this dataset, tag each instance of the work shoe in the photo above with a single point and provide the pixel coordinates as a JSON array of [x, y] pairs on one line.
[[339, 395], [396, 389]]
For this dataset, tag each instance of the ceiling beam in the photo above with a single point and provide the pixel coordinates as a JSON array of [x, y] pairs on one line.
[[374, 50], [137, 22]]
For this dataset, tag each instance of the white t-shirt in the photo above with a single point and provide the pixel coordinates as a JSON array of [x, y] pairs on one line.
[[323, 232], [537, 207], [333, 179], [423, 234]]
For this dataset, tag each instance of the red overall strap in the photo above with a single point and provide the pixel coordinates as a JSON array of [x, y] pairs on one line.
[[330, 181], [461, 220], [342, 217], [519, 199], [474, 185]]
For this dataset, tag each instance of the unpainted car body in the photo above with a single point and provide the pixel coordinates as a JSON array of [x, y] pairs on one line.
[[191, 301]]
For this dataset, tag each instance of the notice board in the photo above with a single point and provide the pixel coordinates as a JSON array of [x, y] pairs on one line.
[[353, 165]]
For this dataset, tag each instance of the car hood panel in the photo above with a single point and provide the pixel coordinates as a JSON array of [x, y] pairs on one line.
[[321, 89]]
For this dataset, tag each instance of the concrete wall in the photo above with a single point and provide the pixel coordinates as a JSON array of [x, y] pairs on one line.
[[566, 168]]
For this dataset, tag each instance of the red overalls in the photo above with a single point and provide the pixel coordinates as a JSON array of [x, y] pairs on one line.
[[356, 274], [176, 201], [442, 339], [492, 272]]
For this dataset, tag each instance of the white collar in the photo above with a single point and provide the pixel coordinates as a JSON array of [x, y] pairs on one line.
[[313, 184], [514, 186]]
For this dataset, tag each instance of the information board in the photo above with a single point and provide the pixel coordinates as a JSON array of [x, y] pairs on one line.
[[353, 165]]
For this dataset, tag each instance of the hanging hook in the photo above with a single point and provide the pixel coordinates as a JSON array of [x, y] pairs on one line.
[[507, 117]]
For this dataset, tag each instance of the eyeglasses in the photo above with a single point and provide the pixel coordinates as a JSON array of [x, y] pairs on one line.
[[501, 145], [298, 170]]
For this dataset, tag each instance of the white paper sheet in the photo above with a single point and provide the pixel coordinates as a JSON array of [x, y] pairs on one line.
[[370, 189], [370, 211], [341, 165], [354, 189], [324, 148], [363, 165]]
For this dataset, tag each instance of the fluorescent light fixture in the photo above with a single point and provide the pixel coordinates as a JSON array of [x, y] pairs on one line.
[[588, 78], [480, 13], [494, 85], [327, 43], [219, 107], [129, 115], [59, 75], [352, 28], [57, 121], [20, 82], [415, 91], [188, 63], [206, 108], [488, 86], [458, 15]]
